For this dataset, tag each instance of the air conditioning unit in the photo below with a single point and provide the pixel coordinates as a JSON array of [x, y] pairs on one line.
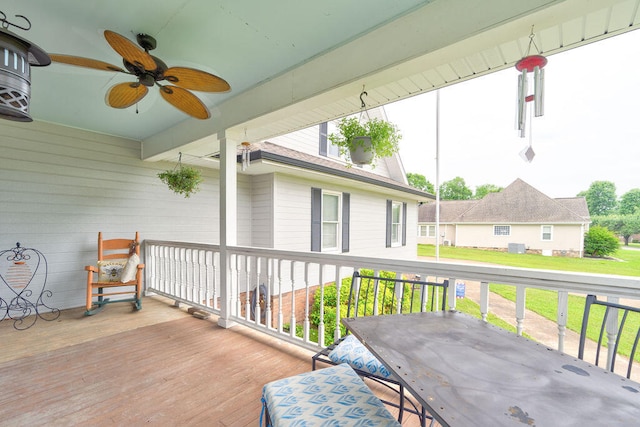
[[446, 242]]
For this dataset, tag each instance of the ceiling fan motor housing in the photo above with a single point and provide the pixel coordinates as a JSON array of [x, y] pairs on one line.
[[17, 55]]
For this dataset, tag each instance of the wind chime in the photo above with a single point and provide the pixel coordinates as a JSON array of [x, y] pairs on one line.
[[530, 64], [245, 151]]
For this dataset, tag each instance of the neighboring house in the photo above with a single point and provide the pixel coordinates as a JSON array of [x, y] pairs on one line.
[[516, 219]]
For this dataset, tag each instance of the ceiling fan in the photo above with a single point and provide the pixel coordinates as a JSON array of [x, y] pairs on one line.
[[150, 71]]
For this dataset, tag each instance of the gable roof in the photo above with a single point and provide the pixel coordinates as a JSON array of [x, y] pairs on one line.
[[517, 203], [450, 210], [286, 156]]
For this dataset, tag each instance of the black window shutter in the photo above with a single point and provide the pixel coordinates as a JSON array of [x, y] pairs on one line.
[[389, 215], [404, 224], [316, 219], [323, 139], [346, 201]]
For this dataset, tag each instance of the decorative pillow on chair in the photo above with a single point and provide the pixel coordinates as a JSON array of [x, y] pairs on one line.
[[111, 270], [351, 351], [130, 269]]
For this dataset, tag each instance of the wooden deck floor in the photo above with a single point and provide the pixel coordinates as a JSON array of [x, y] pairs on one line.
[[157, 366]]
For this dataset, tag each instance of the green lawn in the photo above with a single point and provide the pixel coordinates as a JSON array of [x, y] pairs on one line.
[[625, 262]]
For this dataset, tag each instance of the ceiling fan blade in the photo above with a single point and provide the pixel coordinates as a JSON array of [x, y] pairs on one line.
[[185, 101], [84, 62], [129, 51], [190, 78], [124, 95]]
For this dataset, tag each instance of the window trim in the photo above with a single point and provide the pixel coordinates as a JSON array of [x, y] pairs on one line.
[[542, 233], [317, 222], [402, 231]]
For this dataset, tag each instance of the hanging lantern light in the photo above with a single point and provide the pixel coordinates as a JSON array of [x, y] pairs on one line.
[[17, 55], [530, 64]]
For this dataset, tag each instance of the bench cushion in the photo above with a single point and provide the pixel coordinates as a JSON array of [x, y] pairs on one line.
[[325, 397], [351, 351]]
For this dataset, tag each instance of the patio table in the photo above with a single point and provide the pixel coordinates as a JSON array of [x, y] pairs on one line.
[[467, 372]]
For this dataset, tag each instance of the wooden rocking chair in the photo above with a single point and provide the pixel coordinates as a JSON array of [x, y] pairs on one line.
[[118, 272]]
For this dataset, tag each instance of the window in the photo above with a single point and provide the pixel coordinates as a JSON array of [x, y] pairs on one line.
[[327, 149], [396, 224], [501, 230], [329, 221], [431, 231], [547, 232]]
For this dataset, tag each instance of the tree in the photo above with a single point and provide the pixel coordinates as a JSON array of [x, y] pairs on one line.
[[420, 182], [630, 202], [600, 242], [483, 190], [622, 225], [455, 189], [601, 198]]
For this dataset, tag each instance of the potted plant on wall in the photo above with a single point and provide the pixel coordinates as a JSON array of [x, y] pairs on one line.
[[182, 179], [366, 141]]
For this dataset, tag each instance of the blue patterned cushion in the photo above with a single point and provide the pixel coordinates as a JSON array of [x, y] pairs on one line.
[[351, 351], [334, 396]]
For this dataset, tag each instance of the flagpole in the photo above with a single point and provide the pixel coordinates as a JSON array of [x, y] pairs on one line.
[[437, 175]]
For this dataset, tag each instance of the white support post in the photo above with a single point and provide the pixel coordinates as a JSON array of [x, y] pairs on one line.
[[484, 300], [563, 307], [228, 223], [521, 302]]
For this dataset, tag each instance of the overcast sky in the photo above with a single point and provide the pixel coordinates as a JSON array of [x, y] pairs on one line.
[[590, 130]]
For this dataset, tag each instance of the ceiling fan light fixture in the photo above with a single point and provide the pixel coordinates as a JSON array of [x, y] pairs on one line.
[[17, 55]]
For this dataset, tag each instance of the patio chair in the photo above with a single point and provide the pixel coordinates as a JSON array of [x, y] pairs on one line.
[[614, 320], [369, 293], [118, 272]]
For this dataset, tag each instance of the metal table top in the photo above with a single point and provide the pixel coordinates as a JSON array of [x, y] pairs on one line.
[[470, 373]]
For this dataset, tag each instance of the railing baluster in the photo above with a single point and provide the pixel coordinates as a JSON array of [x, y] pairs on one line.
[[292, 322], [247, 302], [338, 281], [280, 313], [305, 324], [321, 320], [269, 286]]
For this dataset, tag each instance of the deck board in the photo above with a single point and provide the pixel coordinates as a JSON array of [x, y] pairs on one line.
[[157, 366]]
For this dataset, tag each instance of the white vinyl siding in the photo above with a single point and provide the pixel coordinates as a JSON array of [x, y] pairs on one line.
[[262, 211], [61, 186]]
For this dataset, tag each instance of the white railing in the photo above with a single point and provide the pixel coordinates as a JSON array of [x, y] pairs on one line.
[[190, 273]]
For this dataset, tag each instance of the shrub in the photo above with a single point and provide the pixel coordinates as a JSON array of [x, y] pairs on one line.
[[600, 242], [386, 296]]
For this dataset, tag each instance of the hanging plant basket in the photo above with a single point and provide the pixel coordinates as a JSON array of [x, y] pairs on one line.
[[360, 150], [183, 180], [366, 142]]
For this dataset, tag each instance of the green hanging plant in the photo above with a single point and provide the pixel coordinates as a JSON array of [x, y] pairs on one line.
[[182, 179], [384, 135]]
